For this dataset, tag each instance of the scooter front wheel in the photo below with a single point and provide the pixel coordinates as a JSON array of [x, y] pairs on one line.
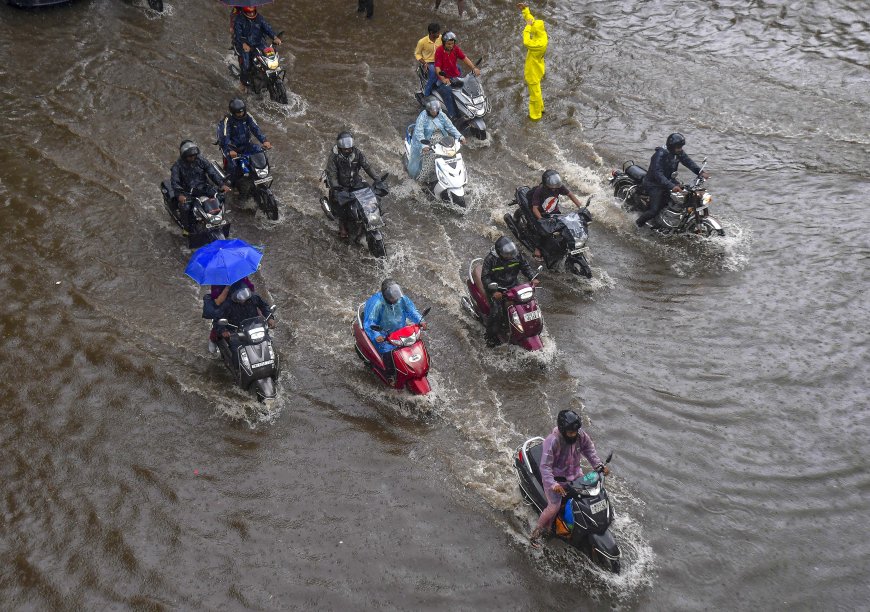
[[457, 200]]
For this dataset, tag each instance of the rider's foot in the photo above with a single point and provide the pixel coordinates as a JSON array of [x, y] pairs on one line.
[[535, 537], [492, 341], [640, 223], [212, 347], [538, 256]]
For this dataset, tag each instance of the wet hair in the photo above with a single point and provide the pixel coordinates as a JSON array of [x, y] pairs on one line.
[[434, 28]]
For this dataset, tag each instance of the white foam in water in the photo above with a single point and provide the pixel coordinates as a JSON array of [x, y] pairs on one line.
[[168, 11]]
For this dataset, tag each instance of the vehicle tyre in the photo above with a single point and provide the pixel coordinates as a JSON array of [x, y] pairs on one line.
[[376, 247], [157, 5], [509, 221], [270, 205], [615, 566], [457, 200], [707, 230], [278, 92], [581, 268]]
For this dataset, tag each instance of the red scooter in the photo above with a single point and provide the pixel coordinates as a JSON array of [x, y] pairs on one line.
[[410, 356], [523, 320]]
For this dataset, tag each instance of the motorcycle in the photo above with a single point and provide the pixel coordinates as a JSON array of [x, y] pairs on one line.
[[258, 362], [450, 177], [568, 234], [410, 355], [363, 215], [255, 178], [469, 97], [266, 71], [210, 221], [586, 514], [687, 211], [522, 320]]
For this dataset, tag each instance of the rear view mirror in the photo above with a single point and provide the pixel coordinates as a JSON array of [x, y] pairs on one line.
[[493, 286], [376, 328], [223, 322], [425, 141], [609, 457], [273, 308], [426, 311], [540, 268]]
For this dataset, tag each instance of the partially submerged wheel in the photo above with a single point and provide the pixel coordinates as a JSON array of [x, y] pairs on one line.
[[457, 200], [376, 247], [157, 5], [615, 566], [278, 92]]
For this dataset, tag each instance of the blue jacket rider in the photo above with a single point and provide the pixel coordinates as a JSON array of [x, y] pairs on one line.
[[390, 310], [234, 134], [248, 35], [658, 181]]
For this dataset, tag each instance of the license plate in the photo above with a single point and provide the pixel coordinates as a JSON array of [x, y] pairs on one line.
[[531, 316], [578, 251], [263, 364], [598, 506]]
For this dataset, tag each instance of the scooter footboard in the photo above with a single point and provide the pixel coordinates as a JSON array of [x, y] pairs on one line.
[[605, 544]]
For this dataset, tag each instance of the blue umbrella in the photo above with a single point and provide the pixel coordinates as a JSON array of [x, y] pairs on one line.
[[245, 2], [223, 262]]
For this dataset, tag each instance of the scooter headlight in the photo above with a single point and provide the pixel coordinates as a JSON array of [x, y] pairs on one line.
[[706, 198]]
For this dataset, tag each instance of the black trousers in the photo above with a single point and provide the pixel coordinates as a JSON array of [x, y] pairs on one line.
[[496, 317], [366, 5], [658, 198], [389, 364]]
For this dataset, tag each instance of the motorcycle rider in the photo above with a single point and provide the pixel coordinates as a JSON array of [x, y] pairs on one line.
[[389, 309], [430, 119], [560, 462], [193, 176], [425, 54], [342, 174], [658, 182], [247, 36], [544, 201], [502, 266], [244, 304], [234, 135], [446, 57]]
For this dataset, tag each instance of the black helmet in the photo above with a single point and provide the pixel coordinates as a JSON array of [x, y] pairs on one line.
[[506, 249], [568, 421], [237, 105], [187, 147], [433, 105], [344, 141], [391, 291], [448, 36], [551, 179], [240, 296], [675, 141]]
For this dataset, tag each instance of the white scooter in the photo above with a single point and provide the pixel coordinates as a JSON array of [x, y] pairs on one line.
[[450, 176]]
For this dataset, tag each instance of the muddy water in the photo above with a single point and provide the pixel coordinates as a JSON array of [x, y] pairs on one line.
[[729, 377]]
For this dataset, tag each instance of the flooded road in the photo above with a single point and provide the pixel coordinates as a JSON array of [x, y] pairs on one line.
[[729, 377]]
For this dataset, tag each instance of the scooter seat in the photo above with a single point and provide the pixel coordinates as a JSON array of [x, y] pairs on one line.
[[533, 454], [478, 281]]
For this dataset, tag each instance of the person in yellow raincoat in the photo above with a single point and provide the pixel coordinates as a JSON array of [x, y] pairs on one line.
[[535, 40]]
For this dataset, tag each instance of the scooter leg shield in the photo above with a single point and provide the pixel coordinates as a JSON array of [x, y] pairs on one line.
[[532, 343], [419, 386], [605, 544]]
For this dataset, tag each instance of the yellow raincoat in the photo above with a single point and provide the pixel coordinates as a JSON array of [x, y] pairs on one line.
[[535, 40]]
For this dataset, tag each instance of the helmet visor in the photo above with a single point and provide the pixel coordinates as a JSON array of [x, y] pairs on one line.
[[508, 251], [433, 107], [242, 295], [345, 142]]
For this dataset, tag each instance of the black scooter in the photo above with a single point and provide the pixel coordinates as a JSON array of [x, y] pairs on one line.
[[364, 217], [257, 359], [209, 216], [568, 234], [586, 514]]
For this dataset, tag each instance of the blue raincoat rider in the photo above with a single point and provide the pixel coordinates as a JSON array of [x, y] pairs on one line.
[[430, 119], [234, 135], [248, 34], [390, 310]]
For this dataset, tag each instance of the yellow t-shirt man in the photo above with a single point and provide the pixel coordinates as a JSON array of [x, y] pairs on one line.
[[425, 50]]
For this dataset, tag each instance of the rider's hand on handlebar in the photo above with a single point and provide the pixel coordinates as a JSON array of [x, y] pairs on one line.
[[233, 155], [705, 175], [497, 295], [379, 338], [271, 323], [424, 325], [606, 471], [462, 139], [246, 47], [226, 188], [226, 334], [677, 188], [476, 71], [557, 488], [182, 199], [276, 41], [267, 145], [535, 282]]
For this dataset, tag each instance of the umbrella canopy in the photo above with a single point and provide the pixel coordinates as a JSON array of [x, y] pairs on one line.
[[223, 262], [245, 2]]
